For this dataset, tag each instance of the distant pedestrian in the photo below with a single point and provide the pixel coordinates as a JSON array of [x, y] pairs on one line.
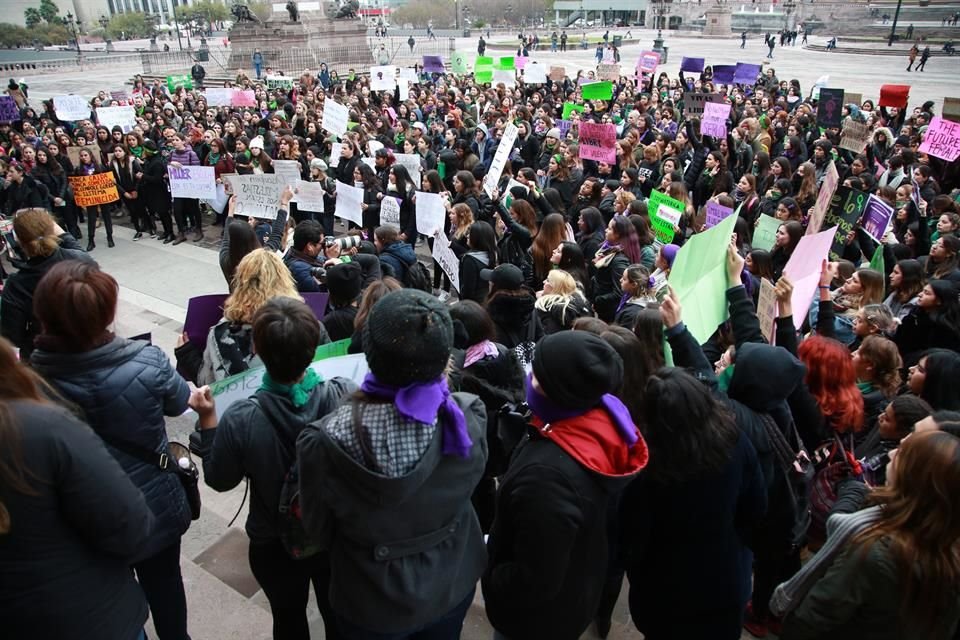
[[912, 56], [554, 39], [771, 43], [743, 40], [257, 62], [481, 46], [563, 41], [411, 42], [923, 58], [599, 53], [910, 32]]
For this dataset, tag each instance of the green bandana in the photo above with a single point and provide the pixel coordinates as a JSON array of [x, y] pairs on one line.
[[298, 392]]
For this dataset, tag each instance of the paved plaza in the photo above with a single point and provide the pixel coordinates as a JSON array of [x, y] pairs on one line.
[[156, 281]]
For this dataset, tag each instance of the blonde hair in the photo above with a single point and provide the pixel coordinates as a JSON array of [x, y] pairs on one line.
[[464, 220], [36, 232], [261, 275], [564, 289]]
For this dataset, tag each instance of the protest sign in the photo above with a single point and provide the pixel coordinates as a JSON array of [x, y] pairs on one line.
[[410, 162], [714, 122], [597, 90], [218, 96], [535, 73], [279, 82], [492, 178], [89, 191], [483, 69], [745, 73], [767, 310], [803, 268], [309, 196], [179, 80], [505, 63], [123, 117], [243, 98], [430, 212], [849, 97], [598, 142], [71, 107], [192, 182], [846, 207], [207, 310], [335, 117], [349, 201], [446, 258], [9, 112], [390, 212], [876, 217], [664, 212], [458, 63], [699, 279], [715, 213], [608, 72], [693, 103], [383, 77], [723, 73], [693, 65], [564, 126], [830, 180], [648, 61], [558, 74], [829, 108], [854, 136], [942, 139], [433, 64], [571, 107], [506, 77], [336, 149], [894, 95], [288, 171], [521, 62], [120, 96], [765, 233], [409, 74], [877, 262], [258, 195]]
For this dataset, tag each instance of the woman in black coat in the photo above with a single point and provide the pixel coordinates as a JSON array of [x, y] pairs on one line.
[[22, 191]]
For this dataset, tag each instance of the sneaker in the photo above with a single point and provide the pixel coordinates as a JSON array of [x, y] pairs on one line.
[[153, 234], [137, 236]]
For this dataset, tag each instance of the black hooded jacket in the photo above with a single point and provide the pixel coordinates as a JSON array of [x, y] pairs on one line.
[[514, 318]]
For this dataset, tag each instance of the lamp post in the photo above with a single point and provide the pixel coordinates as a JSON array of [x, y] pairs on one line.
[[74, 26], [176, 25], [661, 12], [893, 27], [788, 8]]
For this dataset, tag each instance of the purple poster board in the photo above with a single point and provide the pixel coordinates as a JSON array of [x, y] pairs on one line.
[[205, 311], [433, 64], [8, 109], [746, 73], [876, 216], [715, 213], [694, 65], [723, 73]]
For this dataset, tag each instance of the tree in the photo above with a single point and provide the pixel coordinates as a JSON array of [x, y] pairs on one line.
[[13, 35], [49, 11], [32, 17], [129, 25]]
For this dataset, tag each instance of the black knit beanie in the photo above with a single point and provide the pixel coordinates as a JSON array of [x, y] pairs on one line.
[[407, 338], [575, 369]]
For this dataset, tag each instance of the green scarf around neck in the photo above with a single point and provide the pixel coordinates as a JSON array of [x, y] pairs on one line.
[[298, 392]]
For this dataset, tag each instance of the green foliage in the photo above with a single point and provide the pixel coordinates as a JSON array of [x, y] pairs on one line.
[[202, 13], [419, 12], [12, 35], [130, 25], [49, 11], [32, 17]]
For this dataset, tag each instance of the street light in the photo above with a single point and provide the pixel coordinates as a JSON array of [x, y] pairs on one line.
[[788, 8], [74, 27], [661, 11], [893, 27]]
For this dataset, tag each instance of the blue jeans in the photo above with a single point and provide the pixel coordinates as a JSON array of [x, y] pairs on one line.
[[447, 627], [257, 68]]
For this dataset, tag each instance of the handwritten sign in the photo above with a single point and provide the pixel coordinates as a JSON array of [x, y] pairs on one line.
[[218, 96], [608, 72], [693, 104], [335, 117], [666, 213], [430, 212], [767, 309], [123, 117], [942, 139], [309, 196], [830, 181], [598, 142], [715, 213], [336, 150], [854, 136], [765, 234], [9, 112], [558, 74], [90, 191], [446, 258], [243, 98], [288, 171], [846, 207], [349, 201], [410, 162], [390, 212], [714, 121], [193, 182], [492, 178], [180, 80], [258, 195], [876, 217], [71, 107], [279, 82]]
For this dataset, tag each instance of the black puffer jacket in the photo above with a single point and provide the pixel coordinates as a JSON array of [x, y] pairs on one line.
[[514, 318]]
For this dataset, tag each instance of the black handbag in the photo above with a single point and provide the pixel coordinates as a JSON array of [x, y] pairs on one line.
[[176, 459]]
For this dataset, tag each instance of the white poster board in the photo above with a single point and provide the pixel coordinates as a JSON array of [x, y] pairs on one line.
[[492, 178], [123, 117], [335, 117], [446, 258], [309, 196], [258, 195], [430, 212], [349, 199], [69, 108], [193, 182]]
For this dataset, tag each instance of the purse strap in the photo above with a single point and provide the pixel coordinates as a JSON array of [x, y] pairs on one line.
[[159, 460]]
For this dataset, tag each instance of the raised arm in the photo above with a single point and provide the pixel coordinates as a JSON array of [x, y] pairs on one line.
[[686, 351], [743, 316]]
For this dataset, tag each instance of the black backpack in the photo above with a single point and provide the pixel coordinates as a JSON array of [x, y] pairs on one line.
[[418, 277], [798, 471], [511, 253]]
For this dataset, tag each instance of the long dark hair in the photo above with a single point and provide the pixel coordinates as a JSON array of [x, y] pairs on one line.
[[911, 279], [689, 432], [243, 239], [404, 183], [940, 382], [628, 346], [573, 262], [483, 238]]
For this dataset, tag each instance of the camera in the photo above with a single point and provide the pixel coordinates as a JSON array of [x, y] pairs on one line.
[[346, 242], [319, 273]]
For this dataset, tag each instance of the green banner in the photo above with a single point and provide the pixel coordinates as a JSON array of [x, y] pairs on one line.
[[505, 64], [665, 213], [483, 77], [597, 90], [182, 80], [570, 107], [765, 235], [877, 262]]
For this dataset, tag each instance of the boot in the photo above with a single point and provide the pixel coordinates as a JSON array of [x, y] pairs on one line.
[[168, 238], [181, 237], [91, 245], [110, 243]]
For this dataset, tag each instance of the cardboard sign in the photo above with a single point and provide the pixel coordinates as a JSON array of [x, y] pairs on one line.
[[507, 141], [829, 108], [279, 82], [693, 103], [598, 142], [894, 95], [9, 112], [765, 233], [876, 217], [258, 195], [664, 209], [390, 212], [854, 136], [309, 196], [181, 80], [648, 61], [942, 139], [71, 108], [846, 207], [714, 122], [243, 98], [803, 268], [430, 212], [558, 74], [192, 182], [446, 258], [218, 96], [349, 201], [597, 90], [433, 64], [123, 117], [715, 213], [608, 72], [830, 181], [89, 191], [849, 97], [693, 65], [724, 73], [767, 310]]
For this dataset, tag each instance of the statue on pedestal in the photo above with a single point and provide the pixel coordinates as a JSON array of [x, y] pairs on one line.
[[348, 9], [243, 14], [293, 11]]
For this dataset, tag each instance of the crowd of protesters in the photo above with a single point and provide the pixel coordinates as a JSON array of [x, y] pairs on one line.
[[543, 430]]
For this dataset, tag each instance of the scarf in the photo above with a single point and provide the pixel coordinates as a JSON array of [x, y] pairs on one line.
[[298, 392], [548, 411], [479, 351], [424, 402], [213, 159]]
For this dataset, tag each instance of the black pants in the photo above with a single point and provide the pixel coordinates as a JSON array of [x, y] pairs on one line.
[[67, 215], [774, 561], [286, 583], [186, 211], [159, 577], [92, 213], [159, 206], [138, 215]]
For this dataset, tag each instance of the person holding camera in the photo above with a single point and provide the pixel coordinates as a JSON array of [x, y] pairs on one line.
[[305, 258], [396, 256]]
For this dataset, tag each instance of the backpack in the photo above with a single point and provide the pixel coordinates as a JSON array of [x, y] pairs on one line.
[[834, 463], [797, 468], [418, 277], [511, 253]]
